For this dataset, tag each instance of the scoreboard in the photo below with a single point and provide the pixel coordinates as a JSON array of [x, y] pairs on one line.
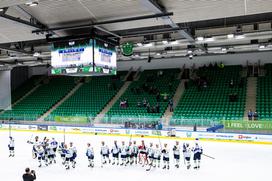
[[87, 57]]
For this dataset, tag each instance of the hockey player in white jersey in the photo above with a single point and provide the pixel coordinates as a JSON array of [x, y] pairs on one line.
[[157, 156], [115, 153], [124, 151], [11, 147], [130, 153], [150, 153], [68, 156], [54, 144], [187, 155], [51, 154], [135, 152], [40, 155], [35, 143], [90, 155], [165, 154], [176, 151], [105, 152], [61, 151], [197, 150], [73, 152]]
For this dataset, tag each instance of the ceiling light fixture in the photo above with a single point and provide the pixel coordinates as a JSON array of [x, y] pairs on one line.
[[139, 44], [209, 39], [230, 36], [174, 42], [238, 37], [148, 45], [201, 38], [262, 47], [164, 42], [31, 4], [189, 51]]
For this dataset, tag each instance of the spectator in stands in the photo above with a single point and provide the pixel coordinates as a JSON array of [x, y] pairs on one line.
[[157, 108], [158, 97], [139, 104], [160, 73], [144, 102], [126, 102], [148, 108], [153, 109], [231, 84], [250, 114], [165, 97], [255, 115], [171, 104]]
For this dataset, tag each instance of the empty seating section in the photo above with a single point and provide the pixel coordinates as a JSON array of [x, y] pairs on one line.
[[264, 95], [25, 88], [133, 113], [41, 100], [89, 99], [212, 103]]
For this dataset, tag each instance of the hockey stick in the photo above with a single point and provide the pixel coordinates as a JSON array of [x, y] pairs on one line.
[[64, 135], [208, 156]]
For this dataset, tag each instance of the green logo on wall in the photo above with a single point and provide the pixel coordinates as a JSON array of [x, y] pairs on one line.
[[127, 49]]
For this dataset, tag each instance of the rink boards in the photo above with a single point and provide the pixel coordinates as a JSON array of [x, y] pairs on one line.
[[164, 134]]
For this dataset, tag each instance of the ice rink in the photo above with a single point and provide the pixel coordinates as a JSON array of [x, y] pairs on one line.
[[233, 161]]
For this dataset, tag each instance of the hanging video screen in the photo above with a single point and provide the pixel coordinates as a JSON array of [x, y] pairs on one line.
[[72, 57], [105, 57]]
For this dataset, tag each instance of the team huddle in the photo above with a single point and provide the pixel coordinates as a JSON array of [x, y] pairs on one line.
[[151, 155]]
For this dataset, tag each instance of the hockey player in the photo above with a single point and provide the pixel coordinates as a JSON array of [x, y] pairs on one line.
[[165, 154], [35, 143], [142, 154], [61, 151], [150, 153], [197, 150], [124, 151], [11, 147], [157, 156], [73, 152], [135, 152], [104, 153], [90, 155], [54, 144], [187, 155], [115, 153], [51, 154], [176, 151], [130, 153], [68, 156], [40, 155]]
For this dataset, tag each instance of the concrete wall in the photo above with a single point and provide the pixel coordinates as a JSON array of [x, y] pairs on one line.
[[18, 76]]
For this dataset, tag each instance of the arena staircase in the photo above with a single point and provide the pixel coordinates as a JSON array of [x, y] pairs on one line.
[[168, 115], [100, 116], [251, 95], [127, 75], [79, 84]]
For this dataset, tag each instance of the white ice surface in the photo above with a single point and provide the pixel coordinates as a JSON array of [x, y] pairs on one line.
[[234, 161]]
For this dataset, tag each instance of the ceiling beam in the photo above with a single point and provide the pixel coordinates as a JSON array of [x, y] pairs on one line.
[[15, 50], [39, 30], [156, 8], [18, 20]]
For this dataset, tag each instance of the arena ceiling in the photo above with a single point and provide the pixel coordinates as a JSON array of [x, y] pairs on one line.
[[24, 26]]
